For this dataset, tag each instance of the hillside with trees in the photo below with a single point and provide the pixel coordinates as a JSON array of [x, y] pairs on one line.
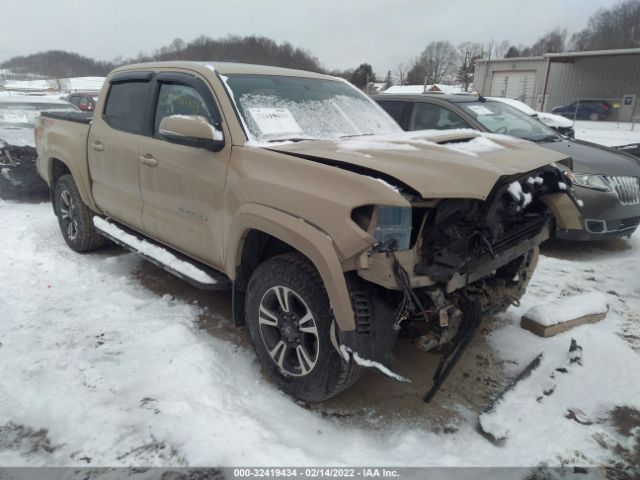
[[439, 62]]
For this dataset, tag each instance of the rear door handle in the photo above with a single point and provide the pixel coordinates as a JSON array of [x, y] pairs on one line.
[[148, 160], [97, 146]]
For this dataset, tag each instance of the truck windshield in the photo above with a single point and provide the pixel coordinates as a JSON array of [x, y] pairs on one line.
[[498, 117], [276, 108]]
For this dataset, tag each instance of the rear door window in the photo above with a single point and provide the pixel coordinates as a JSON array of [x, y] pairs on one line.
[[126, 106]]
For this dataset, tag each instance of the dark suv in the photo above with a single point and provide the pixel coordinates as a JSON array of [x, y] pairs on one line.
[[606, 181], [585, 109]]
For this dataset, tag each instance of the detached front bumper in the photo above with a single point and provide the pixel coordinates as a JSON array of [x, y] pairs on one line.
[[603, 216]]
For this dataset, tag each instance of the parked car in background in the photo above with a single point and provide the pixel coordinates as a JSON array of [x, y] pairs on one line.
[[18, 114], [561, 124], [85, 101], [606, 181], [332, 227], [585, 110]]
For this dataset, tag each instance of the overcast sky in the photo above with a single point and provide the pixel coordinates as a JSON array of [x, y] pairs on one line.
[[341, 33]]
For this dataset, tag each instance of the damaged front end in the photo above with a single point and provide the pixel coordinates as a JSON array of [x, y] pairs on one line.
[[464, 259], [18, 173]]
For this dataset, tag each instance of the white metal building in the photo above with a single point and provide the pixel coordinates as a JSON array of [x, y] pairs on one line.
[[562, 78]]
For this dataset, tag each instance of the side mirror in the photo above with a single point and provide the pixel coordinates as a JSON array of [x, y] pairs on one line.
[[191, 130]]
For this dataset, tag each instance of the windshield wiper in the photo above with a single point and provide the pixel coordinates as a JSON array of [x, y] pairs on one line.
[[291, 139], [356, 135], [547, 138]]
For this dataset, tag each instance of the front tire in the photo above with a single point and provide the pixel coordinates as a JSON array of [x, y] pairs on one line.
[[289, 320], [594, 116], [75, 218]]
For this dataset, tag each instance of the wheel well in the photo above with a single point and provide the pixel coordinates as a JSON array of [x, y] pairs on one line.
[[58, 169], [257, 247]]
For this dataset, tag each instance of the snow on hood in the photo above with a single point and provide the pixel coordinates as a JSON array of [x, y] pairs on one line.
[[553, 120], [17, 136], [461, 163]]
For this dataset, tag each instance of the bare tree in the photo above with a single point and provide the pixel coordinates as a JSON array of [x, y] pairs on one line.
[[551, 42], [468, 53], [401, 73], [437, 63], [616, 27]]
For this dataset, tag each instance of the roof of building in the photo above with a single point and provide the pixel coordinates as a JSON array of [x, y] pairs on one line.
[[564, 56]]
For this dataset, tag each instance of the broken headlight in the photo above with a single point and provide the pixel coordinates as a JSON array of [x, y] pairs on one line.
[[392, 227]]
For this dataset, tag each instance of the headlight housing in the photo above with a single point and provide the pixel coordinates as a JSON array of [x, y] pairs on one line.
[[392, 227], [595, 182]]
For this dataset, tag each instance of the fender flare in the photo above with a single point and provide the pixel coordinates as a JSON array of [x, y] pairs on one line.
[[79, 171], [313, 243]]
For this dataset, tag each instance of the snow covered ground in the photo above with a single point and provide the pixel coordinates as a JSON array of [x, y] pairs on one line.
[[609, 134], [105, 361]]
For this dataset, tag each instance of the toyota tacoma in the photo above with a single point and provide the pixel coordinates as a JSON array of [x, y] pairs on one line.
[[334, 230]]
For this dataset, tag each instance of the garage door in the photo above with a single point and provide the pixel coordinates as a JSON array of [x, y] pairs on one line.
[[518, 85]]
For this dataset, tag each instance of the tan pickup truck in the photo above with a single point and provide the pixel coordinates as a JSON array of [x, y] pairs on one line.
[[334, 230]]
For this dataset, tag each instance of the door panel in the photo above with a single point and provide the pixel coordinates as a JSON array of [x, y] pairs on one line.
[[113, 151], [182, 186], [182, 197]]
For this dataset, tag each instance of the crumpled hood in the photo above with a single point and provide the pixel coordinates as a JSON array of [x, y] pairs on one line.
[[438, 164], [592, 158]]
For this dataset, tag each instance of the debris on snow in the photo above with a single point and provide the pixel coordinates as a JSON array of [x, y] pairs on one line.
[[559, 316], [363, 362], [521, 397]]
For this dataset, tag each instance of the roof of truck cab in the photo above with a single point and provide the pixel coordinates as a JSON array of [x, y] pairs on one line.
[[228, 68]]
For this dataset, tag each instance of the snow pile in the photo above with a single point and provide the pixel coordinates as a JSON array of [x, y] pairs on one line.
[[568, 308], [108, 373], [474, 146], [609, 134], [154, 251], [526, 395]]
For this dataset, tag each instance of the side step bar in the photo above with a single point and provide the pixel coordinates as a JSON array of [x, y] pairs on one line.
[[191, 271]]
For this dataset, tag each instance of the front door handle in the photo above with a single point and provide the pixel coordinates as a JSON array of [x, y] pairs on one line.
[[148, 160], [97, 146]]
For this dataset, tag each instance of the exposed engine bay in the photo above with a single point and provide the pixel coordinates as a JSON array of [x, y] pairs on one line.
[[470, 258]]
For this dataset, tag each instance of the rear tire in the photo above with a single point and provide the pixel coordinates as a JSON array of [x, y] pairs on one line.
[[594, 116], [75, 218], [289, 320]]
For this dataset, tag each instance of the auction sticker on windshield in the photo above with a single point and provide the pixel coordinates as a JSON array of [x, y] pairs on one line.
[[275, 121], [480, 110]]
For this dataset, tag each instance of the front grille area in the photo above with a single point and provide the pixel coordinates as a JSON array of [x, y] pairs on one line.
[[627, 189]]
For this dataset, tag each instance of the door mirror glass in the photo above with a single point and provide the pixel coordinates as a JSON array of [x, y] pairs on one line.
[[191, 130]]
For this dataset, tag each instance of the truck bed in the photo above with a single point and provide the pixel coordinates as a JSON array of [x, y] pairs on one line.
[[78, 117]]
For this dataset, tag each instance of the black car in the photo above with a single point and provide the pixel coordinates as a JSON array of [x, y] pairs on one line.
[[607, 181]]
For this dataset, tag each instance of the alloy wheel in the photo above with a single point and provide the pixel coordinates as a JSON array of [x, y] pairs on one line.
[[289, 331]]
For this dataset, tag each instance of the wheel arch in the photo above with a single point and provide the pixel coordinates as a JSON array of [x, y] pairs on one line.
[[58, 165], [260, 232]]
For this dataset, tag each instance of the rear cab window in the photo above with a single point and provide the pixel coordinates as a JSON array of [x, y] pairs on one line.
[[126, 105]]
